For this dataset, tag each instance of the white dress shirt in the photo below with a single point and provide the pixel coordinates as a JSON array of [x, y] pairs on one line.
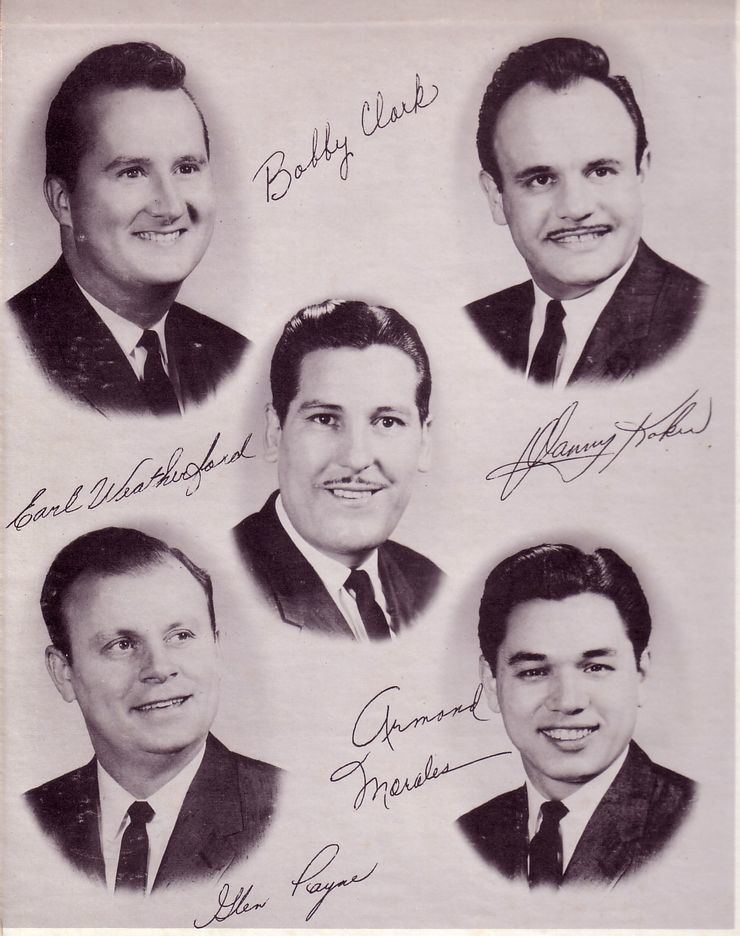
[[166, 803], [334, 574], [581, 806], [580, 317]]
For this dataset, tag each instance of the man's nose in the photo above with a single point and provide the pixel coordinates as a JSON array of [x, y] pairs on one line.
[[356, 447], [575, 199], [157, 664], [568, 693], [166, 198]]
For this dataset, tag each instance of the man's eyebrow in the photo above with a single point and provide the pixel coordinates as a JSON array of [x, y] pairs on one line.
[[319, 404], [201, 160], [533, 171], [525, 656], [121, 161], [601, 652], [378, 411], [599, 163]]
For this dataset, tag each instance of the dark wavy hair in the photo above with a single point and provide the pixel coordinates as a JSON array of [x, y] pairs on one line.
[[555, 572], [114, 67], [110, 551], [555, 64], [343, 324]]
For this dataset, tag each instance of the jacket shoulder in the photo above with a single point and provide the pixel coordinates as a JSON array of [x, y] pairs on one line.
[[500, 301], [415, 565], [496, 810], [497, 830], [203, 328], [64, 800], [671, 800]]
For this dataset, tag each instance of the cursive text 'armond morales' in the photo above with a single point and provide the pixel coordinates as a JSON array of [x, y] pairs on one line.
[[551, 445], [142, 477]]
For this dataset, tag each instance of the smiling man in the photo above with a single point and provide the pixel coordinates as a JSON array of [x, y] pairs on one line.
[[564, 637], [349, 429], [128, 179], [135, 644], [564, 154]]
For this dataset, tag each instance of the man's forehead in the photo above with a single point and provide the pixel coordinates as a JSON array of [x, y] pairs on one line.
[[349, 372], [127, 112], [583, 114], [95, 590], [569, 626]]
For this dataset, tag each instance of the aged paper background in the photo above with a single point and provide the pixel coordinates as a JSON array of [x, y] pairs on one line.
[[409, 228]]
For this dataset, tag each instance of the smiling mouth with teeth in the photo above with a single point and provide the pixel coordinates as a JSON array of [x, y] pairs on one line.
[[163, 704], [578, 235], [567, 734], [159, 237]]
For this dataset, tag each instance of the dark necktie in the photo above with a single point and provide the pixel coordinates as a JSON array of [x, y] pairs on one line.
[[373, 618], [545, 359], [156, 384], [134, 855], [546, 848]]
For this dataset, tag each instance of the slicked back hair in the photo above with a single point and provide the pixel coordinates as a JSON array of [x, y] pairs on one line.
[[554, 572], [555, 64], [344, 324], [110, 551], [112, 68]]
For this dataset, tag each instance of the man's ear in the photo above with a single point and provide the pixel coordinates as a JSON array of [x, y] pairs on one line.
[[60, 670], [489, 686], [273, 431], [495, 197], [424, 462], [57, 198], [642, 169], [643, 669]]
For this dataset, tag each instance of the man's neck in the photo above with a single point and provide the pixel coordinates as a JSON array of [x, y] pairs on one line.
[[143, 776], [142, 304]]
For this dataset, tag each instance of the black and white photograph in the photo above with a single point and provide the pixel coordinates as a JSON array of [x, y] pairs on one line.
[[368, 461]]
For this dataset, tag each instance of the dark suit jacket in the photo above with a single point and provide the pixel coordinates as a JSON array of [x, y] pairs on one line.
[[80, 356], [224, 815], [650, 313], [639, 813], [290, 584]]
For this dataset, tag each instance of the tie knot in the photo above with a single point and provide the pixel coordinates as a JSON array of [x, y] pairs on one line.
[[140, 813], [149, 341], [552, 812], [555, 312], [359, 582]]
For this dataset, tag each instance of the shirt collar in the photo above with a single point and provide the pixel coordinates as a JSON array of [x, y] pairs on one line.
[[333, 574], [127, 334], [166, 802]]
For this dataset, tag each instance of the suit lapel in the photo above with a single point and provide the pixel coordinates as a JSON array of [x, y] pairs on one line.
[[614, 347], [190, 358], [607, 847], [504, 320], [86, 356], [80, 836], [206, 834], [299, 592], [400, 597]]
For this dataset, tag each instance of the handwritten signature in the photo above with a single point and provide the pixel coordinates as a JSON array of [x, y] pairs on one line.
[[278, 177], [307, 879], [387, 727], [550, 447], [397, 786], [140, 478], [232, 906]]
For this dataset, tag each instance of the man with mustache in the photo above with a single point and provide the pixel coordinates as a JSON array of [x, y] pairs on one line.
[[135, 644], [564, 655], [128, 180], [564, 153], [349, 428]]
